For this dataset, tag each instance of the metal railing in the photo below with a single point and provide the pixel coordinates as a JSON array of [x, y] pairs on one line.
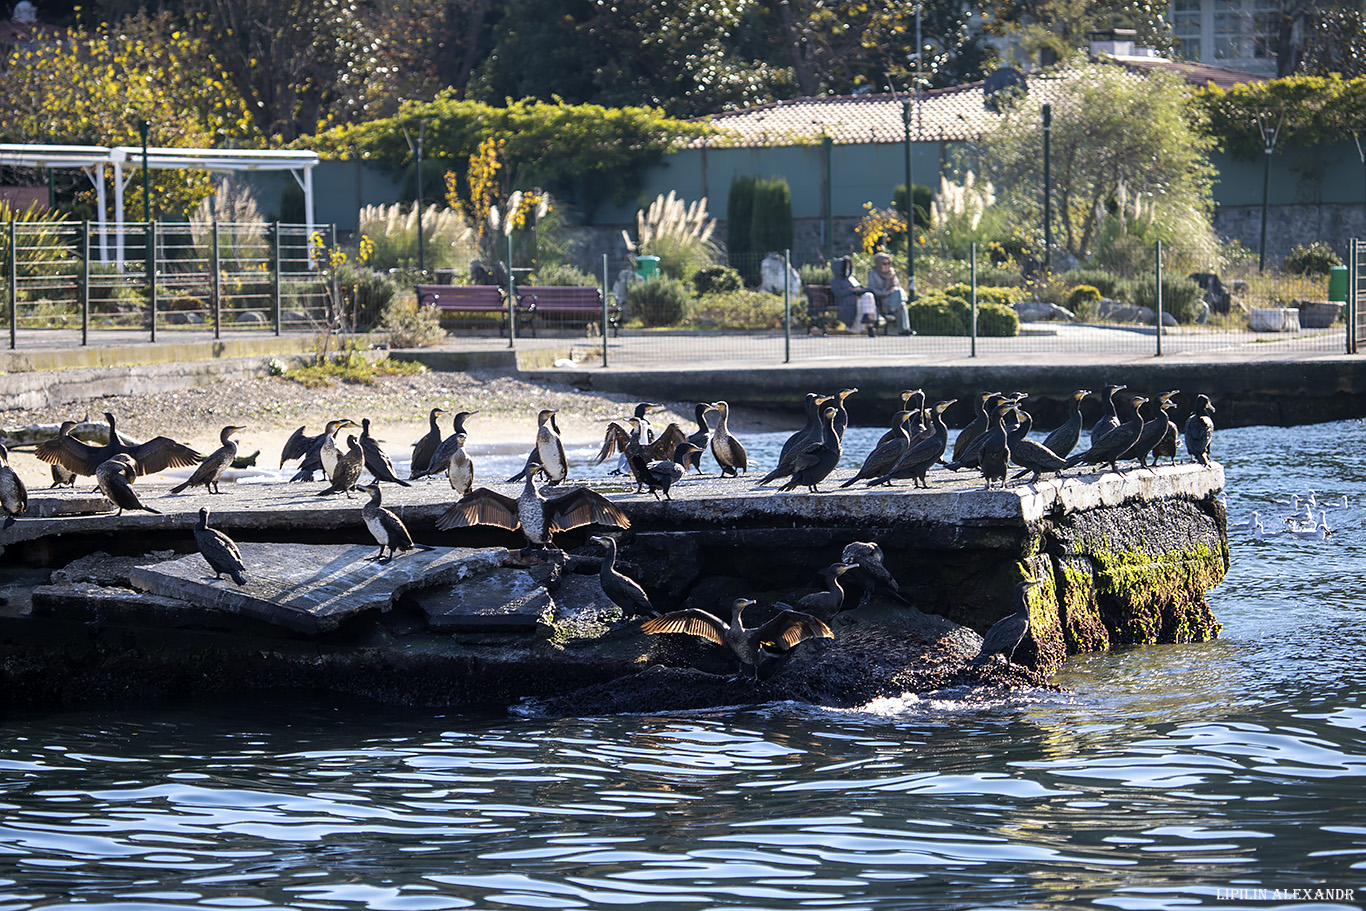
[[181, 277]]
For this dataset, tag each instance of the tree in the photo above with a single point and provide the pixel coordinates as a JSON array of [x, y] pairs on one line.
[[1054, 29], [1116, 137]]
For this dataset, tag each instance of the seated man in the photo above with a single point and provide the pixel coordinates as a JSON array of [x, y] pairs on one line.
[[886, 288], [858, 310]]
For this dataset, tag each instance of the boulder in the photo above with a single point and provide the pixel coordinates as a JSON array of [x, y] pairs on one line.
[[771, 276], [1318, 314], [1038, 311], [1274, 319]]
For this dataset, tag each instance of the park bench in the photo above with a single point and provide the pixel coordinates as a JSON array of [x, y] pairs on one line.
[[540, 304], [480, 300], [821, 309]]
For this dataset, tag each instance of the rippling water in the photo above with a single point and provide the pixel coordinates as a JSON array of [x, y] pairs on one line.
[[1166, 777]]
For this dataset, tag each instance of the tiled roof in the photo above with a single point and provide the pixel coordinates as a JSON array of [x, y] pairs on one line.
[[955, 114]]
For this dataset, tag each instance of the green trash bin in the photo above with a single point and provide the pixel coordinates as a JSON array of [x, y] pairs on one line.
[[1337, 283], [648, 266]]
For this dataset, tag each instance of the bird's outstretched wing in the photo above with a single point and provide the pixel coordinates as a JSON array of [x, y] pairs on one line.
[[692, 621], [160, 453], [297, 446], [791, 627], [581, 506], [615, 440], [666, 443], [68, 452], [480, 506]]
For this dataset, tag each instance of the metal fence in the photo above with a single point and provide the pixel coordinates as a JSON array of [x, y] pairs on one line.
[[179, 277]]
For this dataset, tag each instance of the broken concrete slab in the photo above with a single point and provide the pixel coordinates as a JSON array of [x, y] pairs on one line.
[[86, 602], [78, 504], [313, 588], [502, 601]]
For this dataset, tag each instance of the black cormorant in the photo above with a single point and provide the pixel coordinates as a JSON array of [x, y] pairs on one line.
[[219, 551], [887, 453], [441, 458], [1062, 440], [701, 437], [809, 432], [725, 448], [425, 448], [13, 493], [539, 517], [209, 471], [976, 427], [921, 457], [825, 605], [1109, 416], [971, 453], [994, 454], [157, 454], [1200, 430], [348, 469], [61, 477], [115, 479], [1113, 444], [1165, 448], [869, 570], [1152, 432], [622, 590], [788, 629], [319, 452], [814, 462], [376, 461], [662, 474], [1006, 635], [841, 415], [386, 528]]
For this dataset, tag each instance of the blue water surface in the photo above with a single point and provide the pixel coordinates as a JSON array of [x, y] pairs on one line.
[[1223, 775]]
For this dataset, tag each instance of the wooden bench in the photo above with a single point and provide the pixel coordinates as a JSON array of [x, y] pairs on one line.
[[821, 310], [485, 300], [539, 303]]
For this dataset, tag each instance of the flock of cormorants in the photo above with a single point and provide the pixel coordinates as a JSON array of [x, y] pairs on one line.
[[916, 442]]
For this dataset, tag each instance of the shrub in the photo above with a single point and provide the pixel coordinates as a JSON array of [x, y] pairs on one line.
[[815, 274], [985, 294], [680, 235], [365, 294], [411, 326], [563, 274], [770, 226], [1082, 294], [1316, 259], [996, 320], [1181, 297], [998, 276], [448, 243], [936, 314], [657, 301], [716, 279], [737, 309]]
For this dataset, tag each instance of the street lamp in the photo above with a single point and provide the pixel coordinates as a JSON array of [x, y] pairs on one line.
[[910, 206], [1047, 186], [1269, 137], [416, 149]]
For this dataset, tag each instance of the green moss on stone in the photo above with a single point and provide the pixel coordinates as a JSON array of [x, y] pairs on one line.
[[1083, 628], [1146, 599]]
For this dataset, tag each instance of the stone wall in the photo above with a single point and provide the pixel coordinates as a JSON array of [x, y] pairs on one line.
[[1291, 226]]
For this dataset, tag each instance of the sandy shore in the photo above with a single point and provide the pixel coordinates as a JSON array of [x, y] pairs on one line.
[[271, 408]]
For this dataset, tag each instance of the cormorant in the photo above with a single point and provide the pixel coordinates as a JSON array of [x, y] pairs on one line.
[[725, 448], [376, 462], [538, 516], [441, 458], [347, 470], [1152, 432], [1063, 439], [1109, 416], [61, 477], [751, 646], [534, 456], [911, 425], [1165, 447], [13, 493], [1006, 635], [701, 437], [810, 431], [219, 551], [617, 438], [425, 448], [621, 590], [841, 415], [920, 457], [814, 462], [887, 453], [825, 605], [1033, 456], [386, 528], [971, 454], [549, 448], [662, 474], [975, 428], [1200, 430], [319, 453], [994, 455], [115, 479], [1110, 446], [869, 570], [157, 454], [211, 469]]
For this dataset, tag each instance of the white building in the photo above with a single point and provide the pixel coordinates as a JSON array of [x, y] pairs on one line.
[[1235, 34]]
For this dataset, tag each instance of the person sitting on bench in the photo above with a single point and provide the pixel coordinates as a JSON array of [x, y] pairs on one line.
[[858, 310], [886, 288]]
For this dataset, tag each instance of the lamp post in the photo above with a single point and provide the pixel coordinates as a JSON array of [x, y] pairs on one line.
[[1269, 137], [910, 206], [143, 128], [1047, 186], [416, 149]]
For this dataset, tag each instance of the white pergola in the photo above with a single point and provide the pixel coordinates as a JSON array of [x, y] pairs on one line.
[[92, 159]]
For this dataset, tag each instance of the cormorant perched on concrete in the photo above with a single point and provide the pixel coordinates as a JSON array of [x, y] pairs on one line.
[[725, 448], [912, 425], [219, 551], [115, 479], [778, 636], [814, 462], [971, 455], [441, 458], [615, 442], [539, 517], [622, 590], [1006, 635], [425, 448], [809, 432], [319, 453], [376, 461], [211, 469], [61, 477], [869, 570], [386, 528], [1036, 457], [13, 493], [157, 454], [549, 447], [348, 469], [1152, 432], [1062, 440], [1200, 430], [994, 455], [701, 437], [841, 415], [1109, 416], [975, 428], [887, 453], [920, 457], [825, 605], [1112, 445], [1165, 448], [662, 474], [534, 456]]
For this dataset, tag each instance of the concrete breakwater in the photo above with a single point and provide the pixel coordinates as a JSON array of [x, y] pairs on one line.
[[1122, 558]]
